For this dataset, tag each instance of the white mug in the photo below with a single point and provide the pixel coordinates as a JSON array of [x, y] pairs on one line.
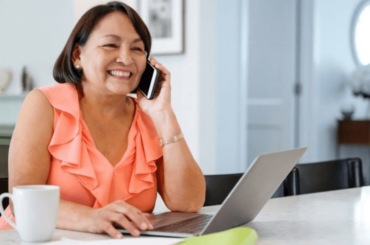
[[36, 211]]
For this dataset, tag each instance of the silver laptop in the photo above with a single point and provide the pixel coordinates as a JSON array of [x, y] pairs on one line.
[[241, 206]]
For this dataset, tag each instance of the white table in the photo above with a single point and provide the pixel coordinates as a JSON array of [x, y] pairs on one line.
[[336, 217]]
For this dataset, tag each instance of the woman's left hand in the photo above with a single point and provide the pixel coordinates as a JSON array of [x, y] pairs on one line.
[[162, 97], [180, 180]]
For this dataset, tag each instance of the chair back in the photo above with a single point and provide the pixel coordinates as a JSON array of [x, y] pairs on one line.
[[324, 176], [4, 150], [219, 186], [4, 188]]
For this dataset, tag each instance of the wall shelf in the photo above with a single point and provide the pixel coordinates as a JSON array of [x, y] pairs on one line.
[[9, 97], [10, 105]]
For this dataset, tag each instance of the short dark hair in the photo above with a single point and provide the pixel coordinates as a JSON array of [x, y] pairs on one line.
[[64, 70]]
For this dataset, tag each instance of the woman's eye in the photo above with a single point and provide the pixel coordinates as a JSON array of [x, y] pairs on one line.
[[110, 45], [137, 49]]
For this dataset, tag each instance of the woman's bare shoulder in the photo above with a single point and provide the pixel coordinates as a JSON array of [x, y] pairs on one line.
[[38, 98], [37, 104], [36, 112]]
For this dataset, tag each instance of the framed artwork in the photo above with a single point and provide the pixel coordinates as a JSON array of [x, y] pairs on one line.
[[81, 6], [165, 20]]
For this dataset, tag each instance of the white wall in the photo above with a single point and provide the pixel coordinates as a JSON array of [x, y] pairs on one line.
[[206, 85], [229, 106], [33, 34], [184, 70], [202, 80]]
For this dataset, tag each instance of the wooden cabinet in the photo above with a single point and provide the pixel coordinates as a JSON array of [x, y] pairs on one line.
[[354, 132]]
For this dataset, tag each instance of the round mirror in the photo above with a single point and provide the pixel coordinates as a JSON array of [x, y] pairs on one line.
[[360, 34]]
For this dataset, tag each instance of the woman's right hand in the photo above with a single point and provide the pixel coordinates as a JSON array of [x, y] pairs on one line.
[[120, 213]]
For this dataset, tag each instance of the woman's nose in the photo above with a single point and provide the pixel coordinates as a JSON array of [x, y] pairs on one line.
[[124, 57]]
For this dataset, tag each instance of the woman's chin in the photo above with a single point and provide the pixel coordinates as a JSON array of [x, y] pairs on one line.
[[120, 90]]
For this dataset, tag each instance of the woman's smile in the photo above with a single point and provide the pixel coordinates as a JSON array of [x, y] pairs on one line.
[[123, 74]]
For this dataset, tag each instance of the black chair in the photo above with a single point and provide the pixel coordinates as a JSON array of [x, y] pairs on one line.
[[219, 186], [4, 149], [324, 176], [3, 189]]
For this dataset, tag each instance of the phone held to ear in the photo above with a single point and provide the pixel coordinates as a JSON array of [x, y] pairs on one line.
[[149, 81]]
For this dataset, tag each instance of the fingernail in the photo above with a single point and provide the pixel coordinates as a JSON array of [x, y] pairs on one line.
[[119, 236], [136, 232], [151, 227], [144, 226]]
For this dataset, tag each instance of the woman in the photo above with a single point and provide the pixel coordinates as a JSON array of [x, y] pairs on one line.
[[98, 144]]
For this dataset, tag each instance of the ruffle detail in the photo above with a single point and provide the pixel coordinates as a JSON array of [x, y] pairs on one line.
[[143, 148], [73, 145]]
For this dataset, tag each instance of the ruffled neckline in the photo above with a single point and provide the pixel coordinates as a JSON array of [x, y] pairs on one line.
[[73, 145], [130, 137]]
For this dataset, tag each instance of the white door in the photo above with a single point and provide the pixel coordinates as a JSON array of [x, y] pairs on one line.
[[271, 62]]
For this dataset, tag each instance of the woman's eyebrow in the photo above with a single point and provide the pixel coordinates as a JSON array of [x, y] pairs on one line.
[[137, 40], [118, 38]]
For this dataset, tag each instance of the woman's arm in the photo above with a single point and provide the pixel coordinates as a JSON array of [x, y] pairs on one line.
[[29, 163], [180, 180], [29, 159]]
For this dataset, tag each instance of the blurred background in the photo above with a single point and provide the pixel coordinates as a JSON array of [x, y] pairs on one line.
[[249, 77]]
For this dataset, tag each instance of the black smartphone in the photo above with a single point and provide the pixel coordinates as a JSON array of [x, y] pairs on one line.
[[148, 81]]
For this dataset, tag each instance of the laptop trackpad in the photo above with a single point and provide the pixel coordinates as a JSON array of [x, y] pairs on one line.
[[163, 219]]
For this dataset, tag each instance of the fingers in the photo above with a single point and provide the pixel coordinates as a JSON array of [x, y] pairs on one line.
[[134, 215], [125, 223], [110, 230], [123, 214], [165, 73]]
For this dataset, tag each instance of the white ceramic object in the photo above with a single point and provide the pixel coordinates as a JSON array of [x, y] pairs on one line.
[[5, 78], [36, 211]]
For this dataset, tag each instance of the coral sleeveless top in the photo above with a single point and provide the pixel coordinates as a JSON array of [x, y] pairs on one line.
[[83, 174]]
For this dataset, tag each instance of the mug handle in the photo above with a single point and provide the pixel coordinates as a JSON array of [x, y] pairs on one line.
[[3, 214]]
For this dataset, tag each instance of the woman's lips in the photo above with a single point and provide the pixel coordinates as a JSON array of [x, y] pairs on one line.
[[125, 75]]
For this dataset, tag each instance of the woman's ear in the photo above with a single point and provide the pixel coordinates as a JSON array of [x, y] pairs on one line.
[[76, 55]]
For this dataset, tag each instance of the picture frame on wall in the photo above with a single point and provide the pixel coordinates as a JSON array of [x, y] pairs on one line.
[[81, 6], [165, 21]]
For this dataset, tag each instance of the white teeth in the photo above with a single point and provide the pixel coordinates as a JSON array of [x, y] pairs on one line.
[[120, 73]]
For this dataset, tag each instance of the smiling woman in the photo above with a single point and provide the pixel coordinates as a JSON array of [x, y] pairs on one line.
[[99, 145], [114, 57]]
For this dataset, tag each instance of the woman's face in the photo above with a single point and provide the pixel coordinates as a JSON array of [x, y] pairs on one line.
[[113, 58]]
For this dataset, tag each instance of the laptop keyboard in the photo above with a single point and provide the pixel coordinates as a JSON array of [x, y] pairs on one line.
[[192, 226]]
